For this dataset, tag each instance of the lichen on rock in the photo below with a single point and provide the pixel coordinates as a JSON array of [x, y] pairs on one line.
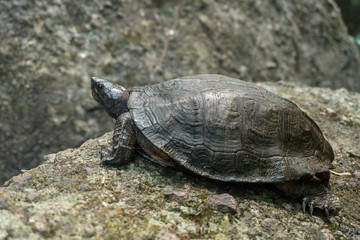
[[70, 195], [49, 50]]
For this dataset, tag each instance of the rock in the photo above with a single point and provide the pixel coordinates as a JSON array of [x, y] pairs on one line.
[[77, 197], [40, 226], [48, 52], [339, 235], [176, 195], [270, 223], [354, 153], [325, 236], [3, 235], [112, 213], [23, 179], [32, 196], [89, 231], [188, 211], [4, 202], [49, 157], [84, 187], [165, 234], [223, 203]]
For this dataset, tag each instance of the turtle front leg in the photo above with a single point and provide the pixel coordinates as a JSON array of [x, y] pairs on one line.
[[313, 194], [124, 142]]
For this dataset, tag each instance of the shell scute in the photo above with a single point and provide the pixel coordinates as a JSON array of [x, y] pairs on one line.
[[230, 130]]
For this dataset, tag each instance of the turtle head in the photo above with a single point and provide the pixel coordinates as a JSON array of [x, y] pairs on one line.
[[111, 96]]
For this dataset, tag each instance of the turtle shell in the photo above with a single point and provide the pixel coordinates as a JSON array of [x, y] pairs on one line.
[[230, 130]]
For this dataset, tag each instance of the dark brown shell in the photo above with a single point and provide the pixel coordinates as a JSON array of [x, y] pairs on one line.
[[230, 130]]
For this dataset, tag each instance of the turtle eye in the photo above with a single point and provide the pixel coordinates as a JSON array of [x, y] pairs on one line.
[[99, 86]]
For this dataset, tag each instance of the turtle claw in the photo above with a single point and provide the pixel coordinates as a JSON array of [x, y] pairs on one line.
[[311, 208], [326, 210], [328, 203], [303, 205]]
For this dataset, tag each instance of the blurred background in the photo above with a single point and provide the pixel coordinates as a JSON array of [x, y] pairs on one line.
[[350, 12], [50, 49]]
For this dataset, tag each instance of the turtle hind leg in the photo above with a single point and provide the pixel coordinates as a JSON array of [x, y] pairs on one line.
[[314, 194], [124, 142], [327, 202]]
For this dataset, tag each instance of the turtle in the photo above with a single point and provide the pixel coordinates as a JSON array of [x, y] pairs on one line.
[[224, 129]]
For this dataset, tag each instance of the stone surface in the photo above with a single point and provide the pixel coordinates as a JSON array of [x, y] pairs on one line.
[[49, 51], [4, 202], [73, 196], [325, 236], [89, 231], [176, 195], [166, 234], [223, 202]]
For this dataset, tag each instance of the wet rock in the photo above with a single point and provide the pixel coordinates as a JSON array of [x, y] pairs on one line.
[[223, 203]]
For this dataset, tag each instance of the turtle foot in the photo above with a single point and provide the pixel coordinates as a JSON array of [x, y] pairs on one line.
[[328, 203], [106, 156], [314, 195]]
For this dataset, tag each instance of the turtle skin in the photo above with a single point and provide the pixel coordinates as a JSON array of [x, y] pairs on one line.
[[228, 130]]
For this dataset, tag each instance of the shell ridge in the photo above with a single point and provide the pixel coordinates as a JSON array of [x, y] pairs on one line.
[[213, 137]]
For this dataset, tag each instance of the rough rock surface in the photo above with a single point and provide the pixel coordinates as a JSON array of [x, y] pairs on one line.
[[223, 202], [50, 49], [71, 196]]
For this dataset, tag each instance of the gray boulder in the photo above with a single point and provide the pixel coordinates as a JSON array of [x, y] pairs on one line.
[[49, 51]]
